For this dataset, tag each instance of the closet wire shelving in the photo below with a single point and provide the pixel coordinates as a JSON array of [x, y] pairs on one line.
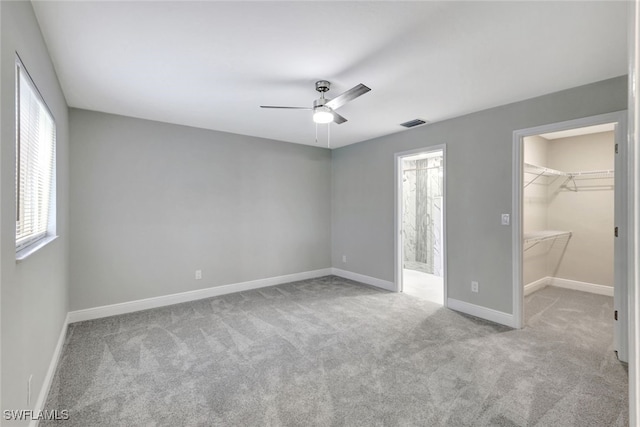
[[540, 171], [535, 237]]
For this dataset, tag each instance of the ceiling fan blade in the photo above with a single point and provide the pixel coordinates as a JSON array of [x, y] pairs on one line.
[[347, 96], [337, 118], [285, 108]]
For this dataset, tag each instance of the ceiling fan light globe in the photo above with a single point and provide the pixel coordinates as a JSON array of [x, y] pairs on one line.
[[322, 115]]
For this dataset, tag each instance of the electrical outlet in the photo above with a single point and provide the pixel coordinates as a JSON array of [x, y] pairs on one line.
[[198, 274], [505, 219], [474, 286], [344, 258]]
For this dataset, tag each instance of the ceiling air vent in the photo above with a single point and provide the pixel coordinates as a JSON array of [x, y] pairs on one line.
[[413, 123]]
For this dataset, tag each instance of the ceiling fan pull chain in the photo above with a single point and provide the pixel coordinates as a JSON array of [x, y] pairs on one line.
[[316, 133], [328, 135]]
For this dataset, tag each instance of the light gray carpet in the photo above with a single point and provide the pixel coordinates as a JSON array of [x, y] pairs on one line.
[[331, 352]]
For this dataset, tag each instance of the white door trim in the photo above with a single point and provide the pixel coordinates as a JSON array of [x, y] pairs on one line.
[[618, 117], [398, 252], [634, 212]]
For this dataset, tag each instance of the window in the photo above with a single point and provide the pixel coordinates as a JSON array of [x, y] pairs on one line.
[[35, 165]]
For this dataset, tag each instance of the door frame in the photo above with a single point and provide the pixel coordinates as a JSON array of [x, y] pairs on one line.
[[398, 246], [621, 217]]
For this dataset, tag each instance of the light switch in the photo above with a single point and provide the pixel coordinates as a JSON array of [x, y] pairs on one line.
[[505, 219]]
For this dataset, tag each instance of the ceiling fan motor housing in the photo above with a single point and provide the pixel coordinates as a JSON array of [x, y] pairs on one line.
[[322, 86]]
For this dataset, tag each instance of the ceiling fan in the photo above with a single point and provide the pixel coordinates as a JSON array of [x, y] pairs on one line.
[[323, 108]]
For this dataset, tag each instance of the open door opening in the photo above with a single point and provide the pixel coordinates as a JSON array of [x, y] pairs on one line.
[[569, 210], [420, 221]]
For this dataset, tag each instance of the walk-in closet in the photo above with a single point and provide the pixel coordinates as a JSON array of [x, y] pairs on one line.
[[568, 210]]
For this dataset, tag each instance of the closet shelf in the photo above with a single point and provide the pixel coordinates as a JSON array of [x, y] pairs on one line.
[[542, 171], [539, 236], [539, 171], [608, 173], [535, 237]]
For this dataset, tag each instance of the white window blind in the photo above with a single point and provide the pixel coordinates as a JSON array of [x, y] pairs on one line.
[[35, 162]]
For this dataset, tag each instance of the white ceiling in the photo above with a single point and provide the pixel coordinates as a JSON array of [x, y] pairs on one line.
[[211, 64]]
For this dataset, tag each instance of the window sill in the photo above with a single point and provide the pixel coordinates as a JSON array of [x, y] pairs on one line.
[[32, 249]]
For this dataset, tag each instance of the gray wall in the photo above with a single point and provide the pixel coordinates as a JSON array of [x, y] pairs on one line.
[[152, 202], [479, 186], [34, 293]]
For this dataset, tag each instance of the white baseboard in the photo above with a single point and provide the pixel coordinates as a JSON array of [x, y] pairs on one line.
[[48, 378], [576, 285], [378, 283], [536, 285], [481, 312], [582, 286], [161, 301]]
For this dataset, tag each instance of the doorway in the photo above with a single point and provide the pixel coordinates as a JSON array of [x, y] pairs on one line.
[[420, 224], [569, 210]]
